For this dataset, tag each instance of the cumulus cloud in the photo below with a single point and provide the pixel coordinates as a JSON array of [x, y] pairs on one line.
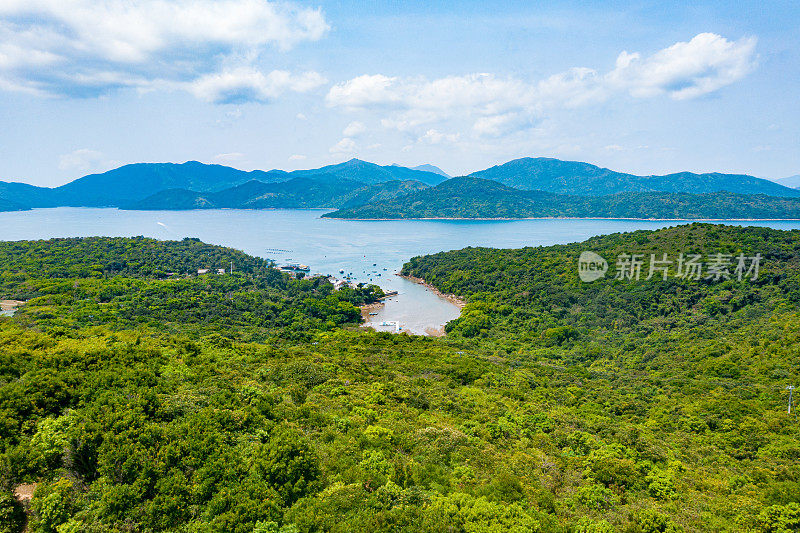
[[365, 91], [247, 84], [296, 157], [687, 69], [87, 48], [345, 146], [494, 107], [84, 160], [433, 136], [354, 129]]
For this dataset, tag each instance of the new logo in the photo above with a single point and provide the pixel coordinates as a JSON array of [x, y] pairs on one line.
[[591, 266]]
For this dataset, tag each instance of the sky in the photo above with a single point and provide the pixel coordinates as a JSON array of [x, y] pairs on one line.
[[641, 87]]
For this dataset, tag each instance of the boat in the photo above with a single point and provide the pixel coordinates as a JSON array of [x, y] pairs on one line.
[[294, 267], [392, 323]]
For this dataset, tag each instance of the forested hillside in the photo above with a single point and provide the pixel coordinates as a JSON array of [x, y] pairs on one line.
[[575, 177], [470, 197], [552, 405], [124, 283], [185, 185], [567, 188], [298, 193]]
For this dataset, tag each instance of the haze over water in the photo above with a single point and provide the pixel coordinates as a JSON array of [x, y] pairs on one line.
[[329, 246]]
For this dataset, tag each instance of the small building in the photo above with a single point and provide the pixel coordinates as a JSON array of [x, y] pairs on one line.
[[220, 271], [202, 271]]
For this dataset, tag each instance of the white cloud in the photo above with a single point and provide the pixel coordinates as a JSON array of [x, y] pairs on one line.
[[504, 124], [433, 136], [246, 84], [297, 157], [686, 70], [354, 129], [231, 157], [84, 160], [301, 116], [364, 91], [87, 48], [496, 107], [344, 146], [415, 102]]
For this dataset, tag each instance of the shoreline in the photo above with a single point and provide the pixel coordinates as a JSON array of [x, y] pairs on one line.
[[579, 218], [452, 298], [730, 219], [367, 308]]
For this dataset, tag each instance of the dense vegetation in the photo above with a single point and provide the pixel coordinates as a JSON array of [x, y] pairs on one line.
[[682, 370], [552, 405], [470, 197], [574, 177], [73, 283], [295, 193], [194, 185]]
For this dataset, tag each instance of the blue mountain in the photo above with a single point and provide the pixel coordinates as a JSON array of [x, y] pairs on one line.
[[577, 178], [132, 183]]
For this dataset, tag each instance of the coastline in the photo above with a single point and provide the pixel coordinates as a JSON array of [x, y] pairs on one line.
[[734, 219], [579, 218], [452, 298], [367, 308]]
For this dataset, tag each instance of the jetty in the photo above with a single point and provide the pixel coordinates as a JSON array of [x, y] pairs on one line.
[[395, 323]]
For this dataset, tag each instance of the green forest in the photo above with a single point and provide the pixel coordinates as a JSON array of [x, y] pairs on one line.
[[136, 395], [471, 197]]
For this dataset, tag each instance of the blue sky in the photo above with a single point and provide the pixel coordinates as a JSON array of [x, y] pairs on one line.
[[87, 85]]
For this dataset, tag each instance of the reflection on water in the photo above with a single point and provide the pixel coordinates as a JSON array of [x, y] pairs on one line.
[[364, 248]]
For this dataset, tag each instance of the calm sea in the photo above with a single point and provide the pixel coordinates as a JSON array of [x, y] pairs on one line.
[[365, 248]]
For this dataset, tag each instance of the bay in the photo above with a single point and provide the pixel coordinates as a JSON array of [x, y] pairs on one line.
[[364, 247]]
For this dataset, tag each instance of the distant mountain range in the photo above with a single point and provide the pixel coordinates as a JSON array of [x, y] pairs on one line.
[[126, 185], [295, 193], [520, 188], [573, 177], [791, 181], [429, 168], [470, 197]]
